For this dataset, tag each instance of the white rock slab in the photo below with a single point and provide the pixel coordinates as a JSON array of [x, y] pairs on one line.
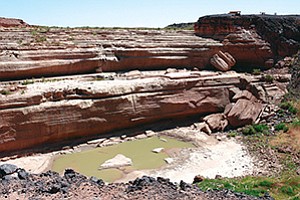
[[169, 160], [117, 161], [157, 150]]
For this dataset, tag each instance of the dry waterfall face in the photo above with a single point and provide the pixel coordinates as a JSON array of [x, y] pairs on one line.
[[50, 110], [90, 83]]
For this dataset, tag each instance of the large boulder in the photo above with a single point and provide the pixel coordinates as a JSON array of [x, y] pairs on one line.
[[216, 122], [244, 112], [222, 61], [244, 94], [7, 169]]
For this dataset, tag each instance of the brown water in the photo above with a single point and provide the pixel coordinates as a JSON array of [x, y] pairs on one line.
[[140, 151]]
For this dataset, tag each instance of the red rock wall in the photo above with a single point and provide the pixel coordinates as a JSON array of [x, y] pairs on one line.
[[10, 22], [281, 33], [58, 111]]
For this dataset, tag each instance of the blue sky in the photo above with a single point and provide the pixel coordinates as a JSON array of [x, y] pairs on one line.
[[133, 13]]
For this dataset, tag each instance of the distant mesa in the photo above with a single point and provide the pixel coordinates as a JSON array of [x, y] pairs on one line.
[[12, 22]]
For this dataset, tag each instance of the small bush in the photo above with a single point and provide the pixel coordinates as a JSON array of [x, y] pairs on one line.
[[27, 82], [256, 72], [40, 39], [5, 92], [232, 134], [287, 105], [260, 127], [296, 123], [265, 183], [269, 78], [281, 127], [254, 129], [288, 190], [249, 130]]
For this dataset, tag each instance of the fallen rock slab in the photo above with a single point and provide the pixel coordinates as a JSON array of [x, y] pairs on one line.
[[157, 150], [244, 112], [117, 161], [216, 122], [222, 61]]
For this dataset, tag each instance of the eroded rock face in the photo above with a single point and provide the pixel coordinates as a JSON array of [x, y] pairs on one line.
[[39, 51], [49, 112], [253, 37], [11, 22]]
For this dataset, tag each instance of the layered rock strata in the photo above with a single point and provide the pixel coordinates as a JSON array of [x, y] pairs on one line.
[[54, 111], [46, 111], [11, 22], [264, 38], [42, 51]]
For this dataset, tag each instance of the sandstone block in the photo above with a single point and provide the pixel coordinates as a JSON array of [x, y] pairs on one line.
[[216, 122], [244, 112], [222, 61]]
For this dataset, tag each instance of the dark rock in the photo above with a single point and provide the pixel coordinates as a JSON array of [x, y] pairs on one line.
[[218, 176], [7, 169], [184, 186], [198, 179], [73, 177], [8, 177], [96, 180], [54, 189], [22, 174]]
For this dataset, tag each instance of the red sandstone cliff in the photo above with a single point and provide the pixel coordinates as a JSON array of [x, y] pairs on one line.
[[49, 110], [11, 22], [253, 37]]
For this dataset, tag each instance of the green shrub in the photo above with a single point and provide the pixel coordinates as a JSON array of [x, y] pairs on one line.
[[257, 186], [260, 127], [231, 134], [269, 79], [5, 92], [249, 130], [296, 123], [265, 183], [289, 190], [254, 129], [281, 127], [287, 105], [256, 72], [40, 39], [27, 82]]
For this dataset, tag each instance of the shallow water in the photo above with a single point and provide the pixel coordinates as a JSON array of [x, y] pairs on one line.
[[140, 151]]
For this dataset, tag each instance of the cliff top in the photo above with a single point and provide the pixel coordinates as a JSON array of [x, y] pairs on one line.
[[231, 16], [12, 22]]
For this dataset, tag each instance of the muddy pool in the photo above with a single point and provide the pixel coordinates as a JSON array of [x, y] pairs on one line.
[[139, 151]]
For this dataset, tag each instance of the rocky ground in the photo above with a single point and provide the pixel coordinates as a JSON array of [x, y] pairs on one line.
[[18, 184]]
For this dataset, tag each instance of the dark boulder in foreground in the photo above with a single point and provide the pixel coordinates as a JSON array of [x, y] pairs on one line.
[[50, 185]]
